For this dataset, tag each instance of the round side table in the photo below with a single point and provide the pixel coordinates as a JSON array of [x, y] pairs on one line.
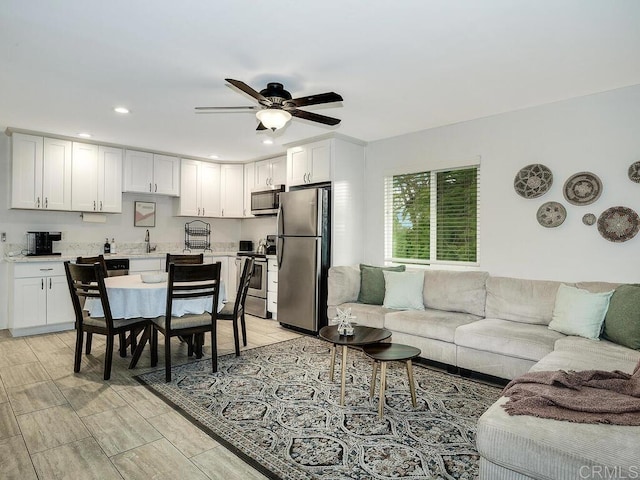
[[390, 352]]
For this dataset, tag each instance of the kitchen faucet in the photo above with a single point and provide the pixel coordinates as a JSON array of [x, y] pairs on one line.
[[146, 240]]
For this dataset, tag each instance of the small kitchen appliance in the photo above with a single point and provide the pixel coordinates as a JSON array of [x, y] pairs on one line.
[[245, 246], [41, 243]]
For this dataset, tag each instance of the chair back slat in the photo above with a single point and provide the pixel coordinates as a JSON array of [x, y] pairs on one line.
[[193, 281], [195, 259], [92, 260], [87, 281], [243, 287]]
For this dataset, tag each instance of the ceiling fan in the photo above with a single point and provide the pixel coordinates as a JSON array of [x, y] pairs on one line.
[[276, 106]]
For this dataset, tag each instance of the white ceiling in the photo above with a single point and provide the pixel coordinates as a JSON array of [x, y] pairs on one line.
[[401, 66]]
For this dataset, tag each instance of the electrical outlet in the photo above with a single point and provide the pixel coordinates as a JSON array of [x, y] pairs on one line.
[[3, 236]]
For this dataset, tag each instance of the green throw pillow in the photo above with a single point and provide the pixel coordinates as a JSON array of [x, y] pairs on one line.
[[372, 283], [622, 323]]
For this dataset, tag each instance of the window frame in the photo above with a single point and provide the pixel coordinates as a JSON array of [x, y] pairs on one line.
[[433, 214]]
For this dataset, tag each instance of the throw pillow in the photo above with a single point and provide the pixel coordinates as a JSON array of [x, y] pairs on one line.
[[372, 283], [403, 290], [622, 323], [579, 312]]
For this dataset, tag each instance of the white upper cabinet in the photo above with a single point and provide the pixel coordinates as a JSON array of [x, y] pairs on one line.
[[41, 172], [232, 190], [309, 163], [200, 189], [146, 172], [96, 176], [249, 185], [271, 172]]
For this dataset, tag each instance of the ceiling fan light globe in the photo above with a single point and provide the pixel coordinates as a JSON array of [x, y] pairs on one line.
[[273, 118]]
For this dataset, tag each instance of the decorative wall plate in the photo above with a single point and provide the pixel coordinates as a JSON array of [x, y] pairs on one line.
[[533, 181], [634, 172], [582, 188], [618, 224], [589, 219], [551, 214]]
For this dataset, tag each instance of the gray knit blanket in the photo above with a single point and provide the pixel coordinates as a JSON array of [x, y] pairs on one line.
[[589, 396]]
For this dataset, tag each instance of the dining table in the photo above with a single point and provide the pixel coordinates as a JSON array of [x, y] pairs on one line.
[[131, 296]]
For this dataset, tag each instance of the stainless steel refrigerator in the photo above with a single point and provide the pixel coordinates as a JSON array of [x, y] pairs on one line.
[[303, 253]]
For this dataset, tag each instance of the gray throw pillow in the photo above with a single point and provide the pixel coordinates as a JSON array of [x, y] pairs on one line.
[[622, 322], [372, 283]]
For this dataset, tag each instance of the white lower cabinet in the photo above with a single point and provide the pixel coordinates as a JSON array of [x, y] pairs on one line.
[[139, 265], [40, 301], [272, 287]]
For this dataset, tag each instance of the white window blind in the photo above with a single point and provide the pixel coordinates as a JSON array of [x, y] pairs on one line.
[[432, 217]]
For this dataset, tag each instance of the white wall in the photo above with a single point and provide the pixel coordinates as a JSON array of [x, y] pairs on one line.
[[258, 228], [598, 133]]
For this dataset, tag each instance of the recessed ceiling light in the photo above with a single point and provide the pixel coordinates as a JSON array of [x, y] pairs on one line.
[[84, 135], [214, 157], [121, 110], [268, 141]]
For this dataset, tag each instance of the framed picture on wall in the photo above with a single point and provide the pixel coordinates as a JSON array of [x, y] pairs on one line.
[[144, 214]]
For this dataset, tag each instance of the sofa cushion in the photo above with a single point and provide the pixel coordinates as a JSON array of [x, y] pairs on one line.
[[520, 300], [617, 353], [513, 339], [368, 315], [372, 283], [429, 323], [343, 285], [455, 291], [551, 449], [622, 323], [403, 290], [579, 312]]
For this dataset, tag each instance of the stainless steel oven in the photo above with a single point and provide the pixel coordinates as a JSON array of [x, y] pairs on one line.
[[256, 302]]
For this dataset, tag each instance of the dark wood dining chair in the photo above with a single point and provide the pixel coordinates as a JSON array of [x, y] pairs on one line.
[[87, 281], [123, 336], [195, 259], [188, 282], [234, 311]]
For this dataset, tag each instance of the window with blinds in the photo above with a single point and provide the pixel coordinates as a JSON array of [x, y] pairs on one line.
[[432, 217]]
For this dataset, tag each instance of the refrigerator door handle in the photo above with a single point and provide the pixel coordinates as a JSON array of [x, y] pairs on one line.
[[280, 227], [280, 251]]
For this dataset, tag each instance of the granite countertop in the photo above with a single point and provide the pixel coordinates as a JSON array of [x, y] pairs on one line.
[[63, 257]]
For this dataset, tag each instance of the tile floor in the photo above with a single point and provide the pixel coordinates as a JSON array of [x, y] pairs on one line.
[[56, 424]]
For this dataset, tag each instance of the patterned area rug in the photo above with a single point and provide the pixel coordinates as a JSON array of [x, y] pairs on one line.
[[276, 408]]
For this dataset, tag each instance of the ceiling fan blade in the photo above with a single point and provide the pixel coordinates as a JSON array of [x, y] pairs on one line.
[[314, 117], [261, 127], [226, 108], [249, 91], [328, 97]]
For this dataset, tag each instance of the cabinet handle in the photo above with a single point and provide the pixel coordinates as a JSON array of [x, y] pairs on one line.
[[100, 205], [203, 211], [46, 202], [94, 205], [309, 177], [38, 203], [49, 284], [198, 211], [149, 186], [42, 284], [156, 187], [223, 212], [46, 269]]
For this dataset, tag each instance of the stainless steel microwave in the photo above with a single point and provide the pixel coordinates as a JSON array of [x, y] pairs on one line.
[[266, 200]]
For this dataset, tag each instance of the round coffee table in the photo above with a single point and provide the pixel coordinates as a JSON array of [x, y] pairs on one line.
[[390, 352], [361, 336]]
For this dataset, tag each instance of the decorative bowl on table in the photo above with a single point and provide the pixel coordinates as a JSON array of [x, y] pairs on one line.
[[153, 277]]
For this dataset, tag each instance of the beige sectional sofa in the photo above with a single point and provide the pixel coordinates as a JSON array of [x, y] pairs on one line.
[[499, 326]]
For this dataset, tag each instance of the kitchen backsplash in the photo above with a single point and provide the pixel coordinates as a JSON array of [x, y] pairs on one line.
[[78, 249]]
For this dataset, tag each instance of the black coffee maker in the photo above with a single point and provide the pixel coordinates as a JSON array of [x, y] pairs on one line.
[[41, 243]]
